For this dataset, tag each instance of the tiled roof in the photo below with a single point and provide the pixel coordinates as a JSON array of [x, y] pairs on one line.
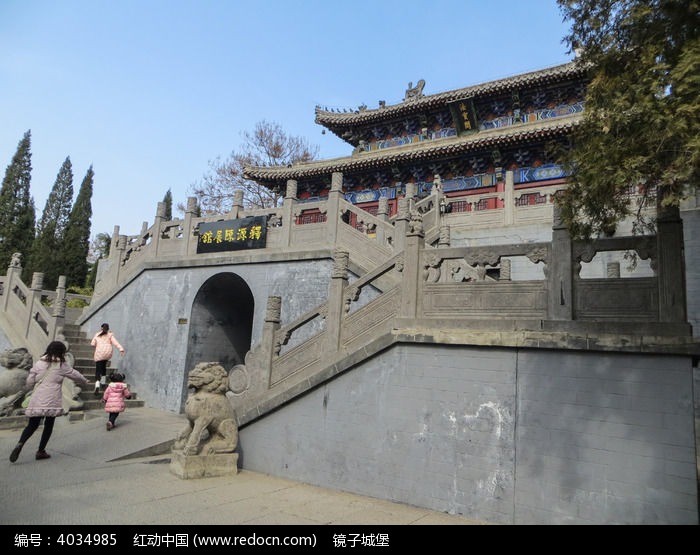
[[541, 77], [427, 150]]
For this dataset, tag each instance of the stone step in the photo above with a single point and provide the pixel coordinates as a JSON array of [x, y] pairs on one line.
[[91, 402], [94, 403]]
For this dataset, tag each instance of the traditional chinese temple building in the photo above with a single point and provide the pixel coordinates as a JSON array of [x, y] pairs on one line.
[[465, 140]]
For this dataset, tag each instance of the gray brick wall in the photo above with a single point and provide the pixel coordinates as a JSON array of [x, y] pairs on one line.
[[506, 436], [604, 439]]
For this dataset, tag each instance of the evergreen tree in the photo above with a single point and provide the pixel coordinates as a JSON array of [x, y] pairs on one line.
[[168, 201], [641, 123], [51, 228], [17, 212], [76, 242]]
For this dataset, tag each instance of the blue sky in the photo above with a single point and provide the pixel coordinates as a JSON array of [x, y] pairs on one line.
[[149, 91]]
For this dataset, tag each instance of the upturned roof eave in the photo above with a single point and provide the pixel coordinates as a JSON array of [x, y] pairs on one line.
[[336, 122], [422, 151]]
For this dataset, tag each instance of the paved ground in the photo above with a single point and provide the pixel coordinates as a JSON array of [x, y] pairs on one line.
[[122, 477]]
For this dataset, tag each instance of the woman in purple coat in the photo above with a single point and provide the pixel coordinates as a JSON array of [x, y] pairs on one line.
[[46, 401]]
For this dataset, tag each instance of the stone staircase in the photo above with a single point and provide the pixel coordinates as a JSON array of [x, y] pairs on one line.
[[82, 351]]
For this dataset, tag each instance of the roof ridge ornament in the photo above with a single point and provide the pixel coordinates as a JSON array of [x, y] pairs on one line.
[[413, 93]]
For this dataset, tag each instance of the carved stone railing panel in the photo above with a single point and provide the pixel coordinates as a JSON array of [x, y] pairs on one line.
[[305, 326], [309, 235], [370, 321], [364, 254], [299, 208], [585, 251], [618, 299], [369, 225], [487, 300], [471, 264], [297, 360], [353, 291]]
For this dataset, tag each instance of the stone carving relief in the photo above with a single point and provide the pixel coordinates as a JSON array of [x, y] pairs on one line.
[[352, 294], [431, 269], [415, 223]]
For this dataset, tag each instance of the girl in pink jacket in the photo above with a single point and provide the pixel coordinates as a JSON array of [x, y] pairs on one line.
[[46, 401], [114, 398], [104, 343]]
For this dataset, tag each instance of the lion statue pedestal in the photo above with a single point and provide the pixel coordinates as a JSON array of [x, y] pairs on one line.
[[205, 447], [203, 466]]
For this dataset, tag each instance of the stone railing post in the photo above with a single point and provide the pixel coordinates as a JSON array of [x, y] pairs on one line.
[[121, 253], [444, 238], [157, 227], [671, 269], [237, 206], [401, 226], [412, 271], [411, 192], [59, 309], [187, 225], [336, 302], [113, 251], [383, 209], [34, 299], [333, 208], [14, 273], [509, 198], [560, 302], [273, 313], [290, 199], [108, 268]]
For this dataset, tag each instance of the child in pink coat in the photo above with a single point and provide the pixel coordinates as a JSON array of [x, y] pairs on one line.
[[114, 398]]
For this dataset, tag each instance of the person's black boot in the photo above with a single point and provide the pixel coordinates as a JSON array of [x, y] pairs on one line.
[[15, 452]]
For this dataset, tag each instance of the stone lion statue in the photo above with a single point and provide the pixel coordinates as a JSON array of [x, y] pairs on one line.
[[208, 410], [16, 364]]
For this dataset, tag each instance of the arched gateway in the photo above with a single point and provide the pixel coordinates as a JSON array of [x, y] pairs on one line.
[[221, 322]]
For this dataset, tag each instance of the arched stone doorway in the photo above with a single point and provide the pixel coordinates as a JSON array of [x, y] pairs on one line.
[[221, 323]]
